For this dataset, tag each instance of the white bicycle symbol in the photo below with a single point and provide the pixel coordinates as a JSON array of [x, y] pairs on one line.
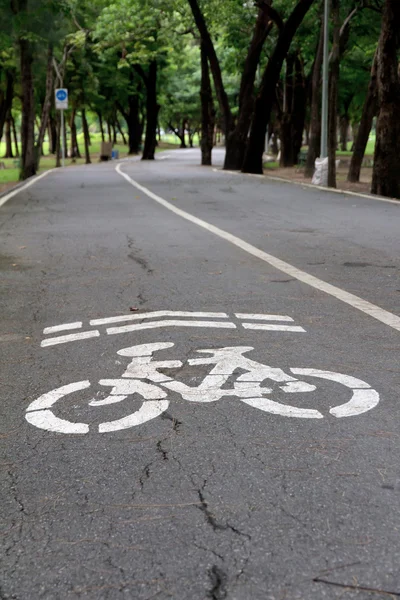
[[144, 377]]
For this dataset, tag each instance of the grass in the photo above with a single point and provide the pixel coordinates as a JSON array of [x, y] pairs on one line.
[[10, 174]]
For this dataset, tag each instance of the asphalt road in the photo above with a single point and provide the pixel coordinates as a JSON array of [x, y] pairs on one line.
[[276, 479]]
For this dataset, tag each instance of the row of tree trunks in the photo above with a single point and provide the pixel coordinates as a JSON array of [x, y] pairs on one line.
[[207, 110], [253, 162]]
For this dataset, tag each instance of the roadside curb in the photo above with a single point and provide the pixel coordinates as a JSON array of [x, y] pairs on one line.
[[315, 187]]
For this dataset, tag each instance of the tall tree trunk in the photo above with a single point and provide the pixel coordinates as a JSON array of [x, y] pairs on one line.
[[333, 94], [236, 139], [315, 123], [286, 124], [109, 131], [368, 113], [9, 151], [152, 109], [53, 136], [214, 66], [344, 128], [58, 140], [86, 136], [114, 133], [75, 152], [253, 162], [28, 163], [6, 100], [120, 130], [14, 130], [132, 119], [46, 105], [183, 134], [99, 116], [207, 110], [386, 173]]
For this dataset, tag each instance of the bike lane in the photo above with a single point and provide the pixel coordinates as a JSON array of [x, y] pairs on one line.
[[213, 497]]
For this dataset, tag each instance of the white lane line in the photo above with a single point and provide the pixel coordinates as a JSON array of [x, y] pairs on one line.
[[268, 327], [158, 313], [63, 339], [263, 317], [364, 306], [7, 197], [63, 327], [171, 323]]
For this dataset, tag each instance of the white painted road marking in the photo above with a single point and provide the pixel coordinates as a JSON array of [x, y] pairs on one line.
[[73, 337], [32, 181], [270, 327], [158, 313], [63, 327], [170, 323], [163, 322], [263, 317], [364, 306], [145, 377]]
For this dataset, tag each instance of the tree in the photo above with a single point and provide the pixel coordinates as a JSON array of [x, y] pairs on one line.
[[386, 173]]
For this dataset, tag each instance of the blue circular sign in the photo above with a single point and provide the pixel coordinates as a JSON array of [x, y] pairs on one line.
[[61, 95]]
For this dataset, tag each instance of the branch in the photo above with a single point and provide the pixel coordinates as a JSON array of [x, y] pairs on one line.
[[271, 12]]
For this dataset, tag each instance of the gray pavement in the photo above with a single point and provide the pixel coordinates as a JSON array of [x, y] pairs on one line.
[[215, 497]]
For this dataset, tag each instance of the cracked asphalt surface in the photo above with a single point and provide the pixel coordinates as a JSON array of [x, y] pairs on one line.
[[215, 500]]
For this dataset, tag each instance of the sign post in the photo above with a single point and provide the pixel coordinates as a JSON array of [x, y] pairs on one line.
[[62, 104]]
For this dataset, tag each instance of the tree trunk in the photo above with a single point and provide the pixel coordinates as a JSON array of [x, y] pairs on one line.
[[28, 163], [182, 136], [58, 140], [114, 133], [109, 131], [236, 139], [14, 130], [86, 136], [99, 116], [152, 109], [52, 135], [9, 151], [314, 145], [253, 162], [118, 124], [386, 173], [333, 94], [214, 66], [207, 111], [132, 119], [46, 105], [344, 128], [75, 152], [6, 101], [364, 129], [286, 129]]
